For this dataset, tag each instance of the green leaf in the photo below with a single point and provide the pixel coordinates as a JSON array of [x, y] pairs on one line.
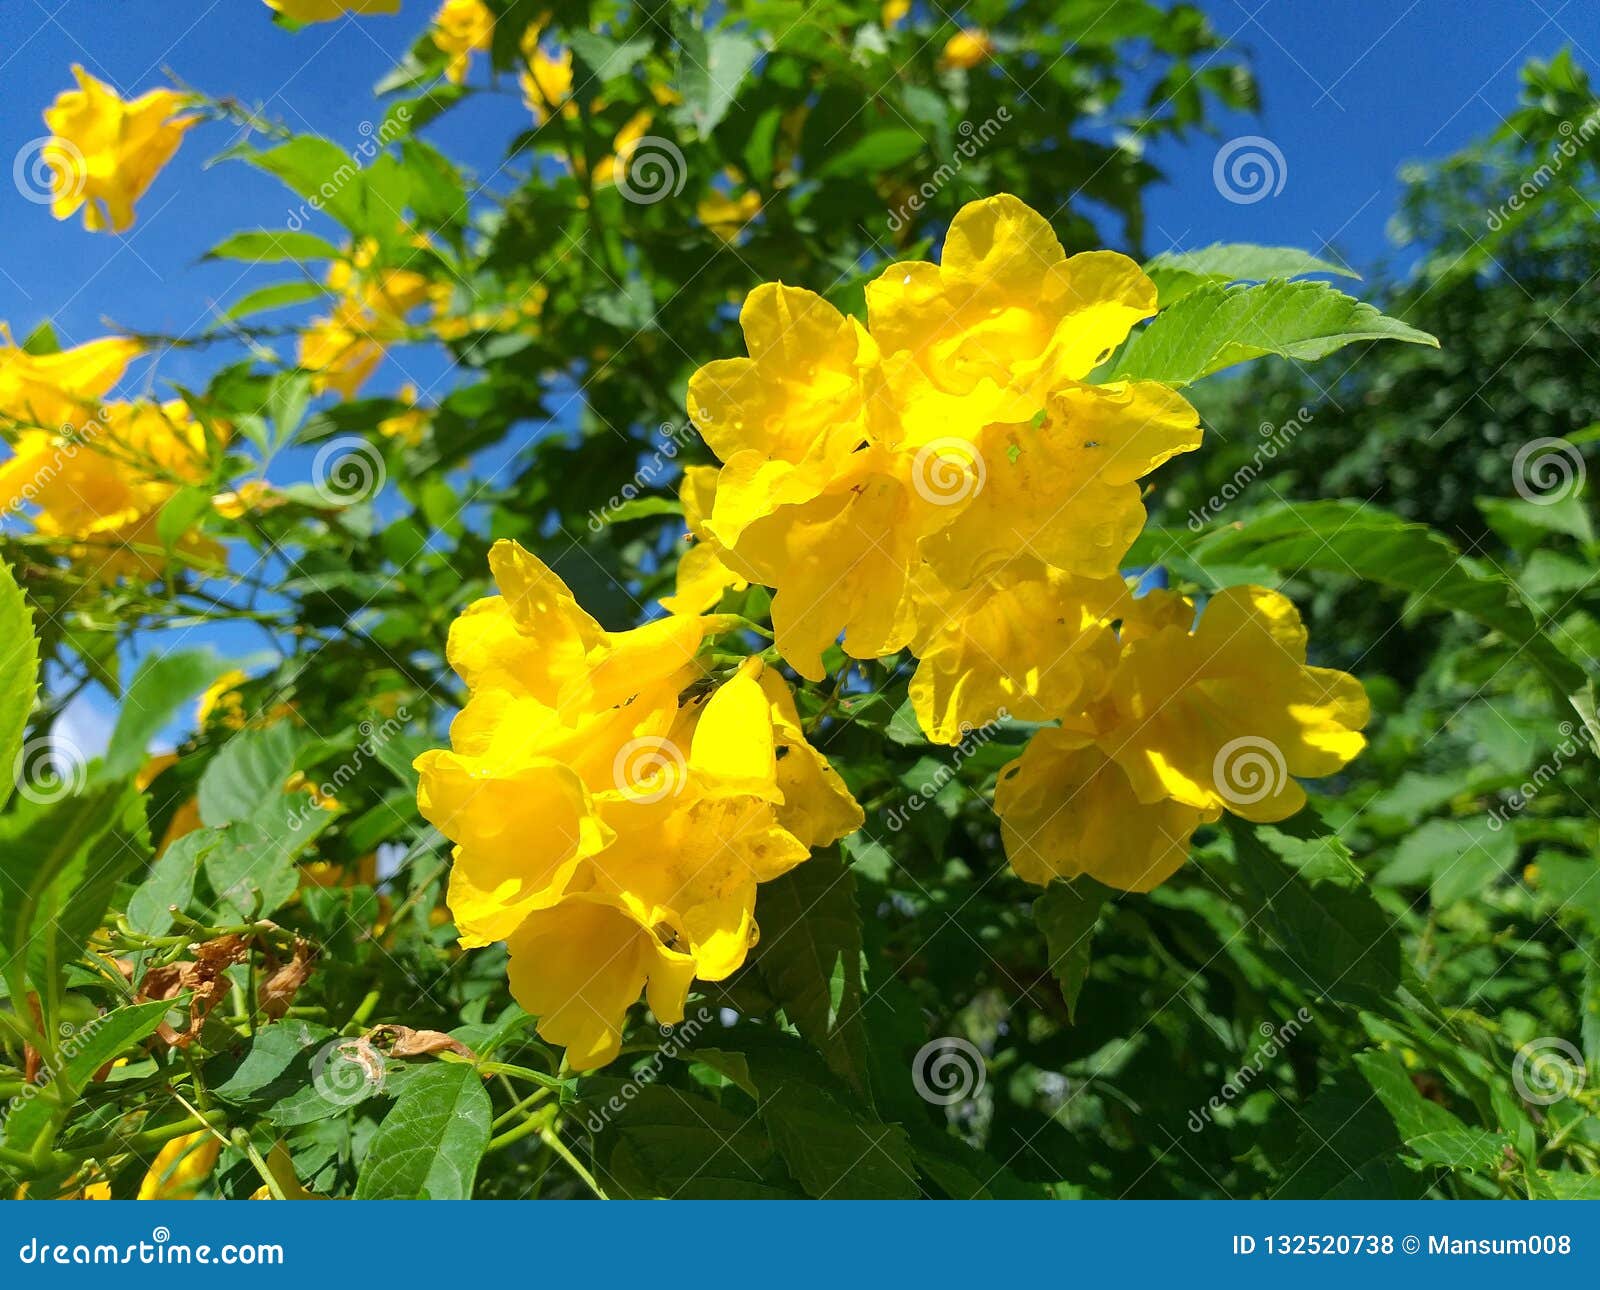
[[85, 1049], [252, 871], [162, 685], [169, 882], [810, 958], [270, 245], [835, 1155], [19, 675], [273, 1063], [1214, 327], [1427, 1128], [1364, 541], [1066, 914], [1459, 858], [1178, 273], [712, 65], [251, 768], [429, 1145], [1311, 898], [664, 1142], [278, 296], [874, 153], [1347, 1150], [319, 170]]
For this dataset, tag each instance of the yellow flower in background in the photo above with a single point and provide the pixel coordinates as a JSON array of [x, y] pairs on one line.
[[103, 485], [328, 10], [614, 808], [727, 213], [967, 48], [52, 391], [340, 351], [104, 152], [460, 28], [181, 1167], [547, 79], [409, 426], [343, 349], [893, 12]]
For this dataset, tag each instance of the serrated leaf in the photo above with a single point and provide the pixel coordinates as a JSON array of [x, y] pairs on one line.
[[1178, 273], [169, 882], [1364, 541], [1215, 327], [810, 958], [712, 66], [1437, 1136], [251, 765], [429, 1145], [19, 675], [835, 1155], [1066, 914]]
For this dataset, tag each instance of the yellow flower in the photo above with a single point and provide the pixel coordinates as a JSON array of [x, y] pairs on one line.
[[1221, 717], [341, 351], [104, 152], [181, 1167], [327, 10], [967, 48], [547, 79], [51, 391], [1066, 809], [613, 809], [893, 13], [409, 426], [460, 28], [1031, 646], [1007, 315], [727, 214], [254, 495], [614, 169], [701, 576], [104, 483]]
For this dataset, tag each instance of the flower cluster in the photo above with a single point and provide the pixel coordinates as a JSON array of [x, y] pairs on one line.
[[94, 473], [950, 479], [613, 807]]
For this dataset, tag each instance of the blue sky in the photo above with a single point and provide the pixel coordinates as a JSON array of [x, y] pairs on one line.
[[1352, 89]]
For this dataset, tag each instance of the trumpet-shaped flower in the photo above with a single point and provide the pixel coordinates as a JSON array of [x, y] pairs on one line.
[[104, 151]]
